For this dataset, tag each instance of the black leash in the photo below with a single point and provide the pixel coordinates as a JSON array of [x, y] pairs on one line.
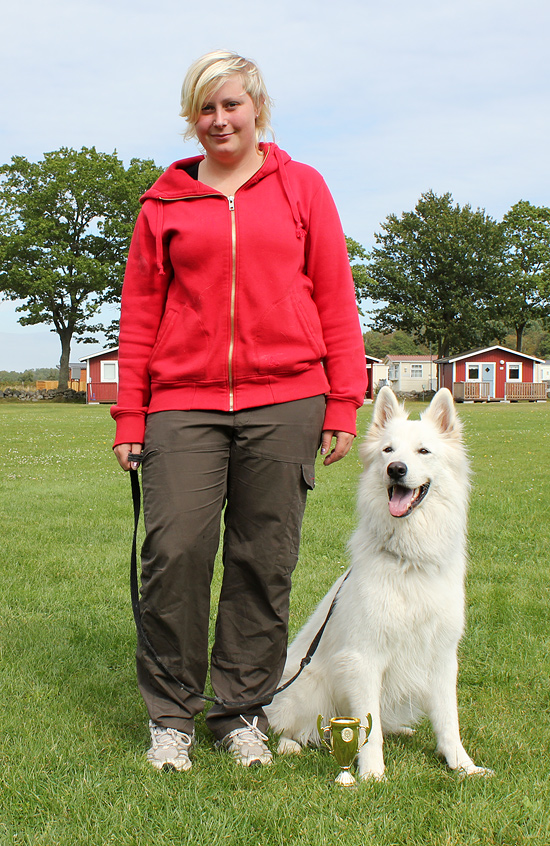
[[142, 634]]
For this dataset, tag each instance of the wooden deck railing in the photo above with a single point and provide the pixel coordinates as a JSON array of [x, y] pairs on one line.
[[525, 390], [463, 391], [513, 391]]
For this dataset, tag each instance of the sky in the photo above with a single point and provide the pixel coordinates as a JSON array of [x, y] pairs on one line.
[[386, 99]]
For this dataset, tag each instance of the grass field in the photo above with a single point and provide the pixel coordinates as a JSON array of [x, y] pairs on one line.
[[73, 728]]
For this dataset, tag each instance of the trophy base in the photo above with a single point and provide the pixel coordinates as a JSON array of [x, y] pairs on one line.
[[345, 779]]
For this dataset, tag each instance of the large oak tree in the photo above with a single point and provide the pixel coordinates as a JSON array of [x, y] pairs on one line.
[[65, 229], [437, 272]]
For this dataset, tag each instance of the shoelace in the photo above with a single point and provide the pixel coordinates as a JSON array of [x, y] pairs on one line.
[[251, 733], [166, 737]]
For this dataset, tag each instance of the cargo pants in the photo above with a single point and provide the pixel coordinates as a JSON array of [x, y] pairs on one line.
[[258, 464]]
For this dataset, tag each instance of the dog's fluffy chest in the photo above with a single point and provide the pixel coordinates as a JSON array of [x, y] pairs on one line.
[[410, 622], [407, 607]]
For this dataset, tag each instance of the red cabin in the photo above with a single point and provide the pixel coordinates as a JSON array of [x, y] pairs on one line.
[[102, 376], [491, 374]]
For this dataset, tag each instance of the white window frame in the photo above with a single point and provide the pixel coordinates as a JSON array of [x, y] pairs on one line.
[[416, 375], [109, 362], [473, 364], [509, 365], [393, 371]]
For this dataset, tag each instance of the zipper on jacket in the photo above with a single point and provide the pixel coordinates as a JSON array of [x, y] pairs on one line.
[[232, 306], [231, 201]]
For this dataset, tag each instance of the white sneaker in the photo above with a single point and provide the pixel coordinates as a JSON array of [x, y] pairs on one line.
[[169, 748], [247, 745]]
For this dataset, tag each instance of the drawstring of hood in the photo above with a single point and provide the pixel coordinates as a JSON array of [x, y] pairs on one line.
[[158, 242], [300, 228], [170, 186]]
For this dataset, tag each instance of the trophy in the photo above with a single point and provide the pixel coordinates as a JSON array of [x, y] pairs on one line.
[[344, 743]]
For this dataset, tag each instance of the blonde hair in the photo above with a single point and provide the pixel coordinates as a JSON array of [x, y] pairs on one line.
[[209, 73]]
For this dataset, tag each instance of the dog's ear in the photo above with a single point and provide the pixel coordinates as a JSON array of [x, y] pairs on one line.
[[385, 407], [441, 411]]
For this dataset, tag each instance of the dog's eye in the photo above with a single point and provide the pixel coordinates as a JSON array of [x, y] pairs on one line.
[[387, 449], [424, 451]]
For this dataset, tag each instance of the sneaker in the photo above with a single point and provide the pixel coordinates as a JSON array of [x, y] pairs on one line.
[[169, 748], [247, 745]]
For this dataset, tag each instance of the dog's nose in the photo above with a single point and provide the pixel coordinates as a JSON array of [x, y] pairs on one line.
[[396, 470]]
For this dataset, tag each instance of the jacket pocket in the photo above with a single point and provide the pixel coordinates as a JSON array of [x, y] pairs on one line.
[[180, 353], [289, 336]]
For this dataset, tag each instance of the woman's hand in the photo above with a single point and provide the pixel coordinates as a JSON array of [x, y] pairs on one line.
[[341, 448], [122, 451]]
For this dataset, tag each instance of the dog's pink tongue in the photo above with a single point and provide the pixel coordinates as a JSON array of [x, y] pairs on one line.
[[400, 500]]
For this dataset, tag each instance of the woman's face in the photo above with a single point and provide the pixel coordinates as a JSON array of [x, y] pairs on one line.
[[226, 127]]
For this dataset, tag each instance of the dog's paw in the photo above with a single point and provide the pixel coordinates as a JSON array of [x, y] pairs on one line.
[[483, 772], [372, 775], [370, 763], [288, 747], [405, 731]]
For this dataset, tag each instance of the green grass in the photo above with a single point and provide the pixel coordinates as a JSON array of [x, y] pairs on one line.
[[73, 728]]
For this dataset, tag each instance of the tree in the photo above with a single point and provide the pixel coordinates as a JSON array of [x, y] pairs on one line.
[[527, 296], [438, 271], [395, 343], [357, 258], [65, 228], [535, 341]]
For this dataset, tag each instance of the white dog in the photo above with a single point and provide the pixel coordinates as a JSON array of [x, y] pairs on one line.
[[390, 646]]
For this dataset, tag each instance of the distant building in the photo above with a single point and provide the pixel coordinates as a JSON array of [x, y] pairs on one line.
[[102, 376], [411, 373], [492, 373], [544, 371], [77, 373], [377, 373]]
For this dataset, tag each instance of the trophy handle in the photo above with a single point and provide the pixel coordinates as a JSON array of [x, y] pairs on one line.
[[322, 729], [367, 729]]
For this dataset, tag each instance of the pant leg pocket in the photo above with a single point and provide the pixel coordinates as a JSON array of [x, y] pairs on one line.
[[308, 475], [306, 483]]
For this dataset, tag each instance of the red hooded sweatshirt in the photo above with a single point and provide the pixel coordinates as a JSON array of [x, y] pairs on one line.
[[236, 302]]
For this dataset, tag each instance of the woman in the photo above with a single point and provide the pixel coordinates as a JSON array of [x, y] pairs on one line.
[[240, 352]]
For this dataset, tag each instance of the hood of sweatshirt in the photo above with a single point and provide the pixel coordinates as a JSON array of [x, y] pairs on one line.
[[175, 182]]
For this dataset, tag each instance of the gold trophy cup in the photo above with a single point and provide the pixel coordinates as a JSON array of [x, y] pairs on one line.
[[344, 743]]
